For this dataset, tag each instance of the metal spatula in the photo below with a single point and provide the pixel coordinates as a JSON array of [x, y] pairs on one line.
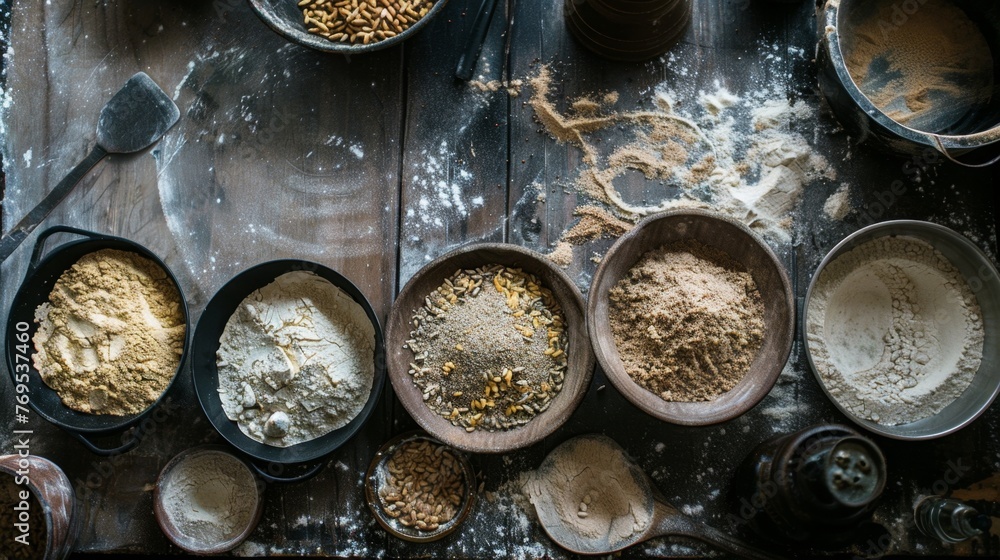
[[134, 119]]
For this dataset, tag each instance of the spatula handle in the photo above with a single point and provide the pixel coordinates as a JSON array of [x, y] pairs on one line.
[[23, 229], [730, 544]]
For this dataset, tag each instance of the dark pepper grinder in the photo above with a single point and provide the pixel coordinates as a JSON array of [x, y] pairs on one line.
[[817, 485]]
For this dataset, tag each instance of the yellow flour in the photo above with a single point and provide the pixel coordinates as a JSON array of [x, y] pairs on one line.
[[111, 335]]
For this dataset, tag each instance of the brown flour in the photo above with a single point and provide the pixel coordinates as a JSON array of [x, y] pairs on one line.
[[111, 335], [595, 223], [935, 61], [687, 321], [742, 157]]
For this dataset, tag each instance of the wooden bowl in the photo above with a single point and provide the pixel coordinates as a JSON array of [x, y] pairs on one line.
[[579, 370], [744, 247]]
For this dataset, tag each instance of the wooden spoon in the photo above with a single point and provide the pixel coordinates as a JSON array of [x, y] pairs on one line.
[[663, 518]]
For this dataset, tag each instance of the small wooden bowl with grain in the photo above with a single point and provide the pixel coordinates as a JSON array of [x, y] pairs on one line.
[[744, 247], [580, 357]]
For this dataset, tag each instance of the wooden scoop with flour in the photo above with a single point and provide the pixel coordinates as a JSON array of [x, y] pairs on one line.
[[592, 499]]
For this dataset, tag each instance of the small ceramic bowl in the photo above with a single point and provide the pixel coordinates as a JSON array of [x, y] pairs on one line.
[[745, 248], [983, 280], [377, 478], [239, 473], [285, 17], [54, 493], [580, 366]]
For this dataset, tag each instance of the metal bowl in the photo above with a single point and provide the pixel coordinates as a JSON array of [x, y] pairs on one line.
[[983, 281], [282, 464], [744, 247], [376, 477], [285, 18], [973, 141], [21, 328]]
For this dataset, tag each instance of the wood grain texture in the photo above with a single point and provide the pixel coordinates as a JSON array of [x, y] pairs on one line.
[[377, 164]]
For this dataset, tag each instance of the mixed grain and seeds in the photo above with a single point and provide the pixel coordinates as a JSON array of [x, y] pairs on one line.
[[489, 348], [361, 21], [424, 485]]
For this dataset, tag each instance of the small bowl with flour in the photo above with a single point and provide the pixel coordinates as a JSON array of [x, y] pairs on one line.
[[288, 364], [901, 324], [207, 501], [691, 316]]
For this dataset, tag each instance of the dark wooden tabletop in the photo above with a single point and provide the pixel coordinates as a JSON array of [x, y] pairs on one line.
[[286, 152]]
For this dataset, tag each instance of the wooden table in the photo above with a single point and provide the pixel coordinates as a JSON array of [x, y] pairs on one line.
[[285, 152]]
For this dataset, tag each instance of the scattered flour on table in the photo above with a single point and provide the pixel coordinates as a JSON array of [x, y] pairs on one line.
[[894, 330], [838, 206], [746, 155], [295, 360]]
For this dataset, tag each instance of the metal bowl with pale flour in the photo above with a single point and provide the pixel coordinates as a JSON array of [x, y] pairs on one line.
[[983, 282], [291, 463]]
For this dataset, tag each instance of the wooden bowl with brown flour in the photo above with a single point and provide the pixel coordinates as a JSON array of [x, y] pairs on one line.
[[692, 317]]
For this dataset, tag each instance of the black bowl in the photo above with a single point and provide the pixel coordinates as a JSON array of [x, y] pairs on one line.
[[285, 18], [38, 282], [305, 457]]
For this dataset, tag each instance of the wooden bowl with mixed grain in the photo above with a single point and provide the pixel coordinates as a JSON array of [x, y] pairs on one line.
[[487, 348], [675, 349]]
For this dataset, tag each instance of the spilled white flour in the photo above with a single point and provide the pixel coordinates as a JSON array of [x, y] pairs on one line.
[[894, 330]]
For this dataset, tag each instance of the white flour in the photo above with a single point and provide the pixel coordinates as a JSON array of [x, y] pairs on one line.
[[838, 206], [894, 330], [295, 360], [210, 497]]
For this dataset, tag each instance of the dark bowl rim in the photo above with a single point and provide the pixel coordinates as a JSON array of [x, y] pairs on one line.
[[297, 33]]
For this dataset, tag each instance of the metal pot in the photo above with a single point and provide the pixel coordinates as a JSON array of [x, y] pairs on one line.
[[38, 283], [304, 460], [972, 141]]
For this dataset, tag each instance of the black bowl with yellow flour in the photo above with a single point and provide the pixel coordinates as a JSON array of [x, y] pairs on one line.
[[29, 388]]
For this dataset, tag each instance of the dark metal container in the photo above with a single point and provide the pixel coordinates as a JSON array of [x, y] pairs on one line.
[[816, 486], [628, 30], [21, 327], [972, 141], [275, 464]]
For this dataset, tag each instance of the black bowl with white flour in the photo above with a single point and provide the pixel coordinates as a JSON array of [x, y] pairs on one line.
[[901, 323], [288, 363]]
